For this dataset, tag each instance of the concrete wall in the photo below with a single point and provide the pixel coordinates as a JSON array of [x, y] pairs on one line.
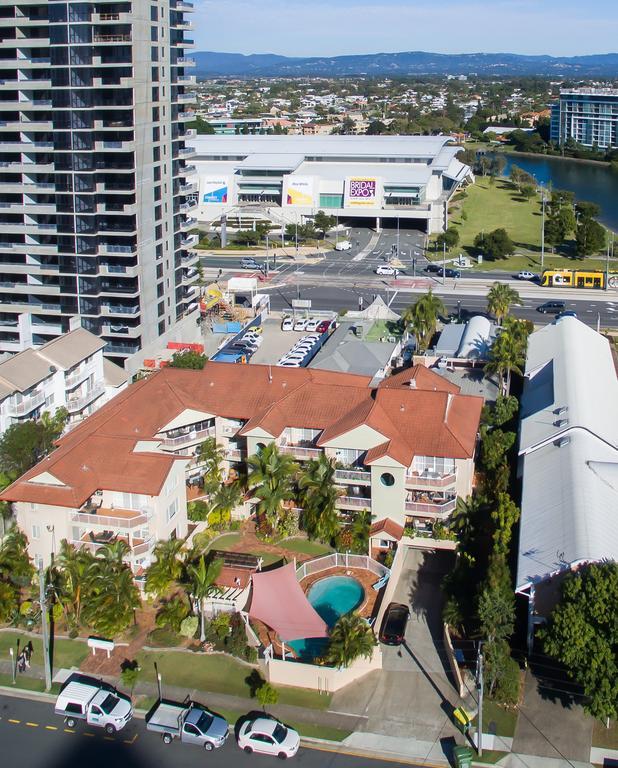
[[388, 501], [323, 679]]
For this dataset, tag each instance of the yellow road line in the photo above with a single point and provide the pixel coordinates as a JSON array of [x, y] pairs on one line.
[[33, 725], [51, 728], [69, 730], [90, 735], [130, 741], [14, 721], [109, 738]]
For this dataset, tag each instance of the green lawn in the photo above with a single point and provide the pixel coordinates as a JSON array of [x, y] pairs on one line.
[[382, 329], [306, 547], [217, 673], [66, 653], [225, 542], [490, 756], [490, 207], [498, 720]]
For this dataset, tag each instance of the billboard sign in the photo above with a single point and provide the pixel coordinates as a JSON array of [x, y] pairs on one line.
[[214, 190], [361, 190], [299, 191]]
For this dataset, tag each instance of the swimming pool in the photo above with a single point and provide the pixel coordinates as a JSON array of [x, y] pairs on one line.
[[331, 597]]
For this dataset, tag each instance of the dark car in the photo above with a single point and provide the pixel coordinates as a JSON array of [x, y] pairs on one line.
[[452, 273], [551, 307], [393, 630], [433, 268]]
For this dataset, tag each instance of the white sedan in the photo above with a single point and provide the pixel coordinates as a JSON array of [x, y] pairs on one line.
[[384, 269], [525, 275], [270, 737]]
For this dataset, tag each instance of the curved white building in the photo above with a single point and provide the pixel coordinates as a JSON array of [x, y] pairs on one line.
[[287, 179]]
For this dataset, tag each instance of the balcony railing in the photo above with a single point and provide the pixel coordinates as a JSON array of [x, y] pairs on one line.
[[428, 480], [75, 377], [27, 405], [431, 509], [78, 403], [114, 519], [233, 454], [300, 452], [354, 501], [352, 476], [188, 438]]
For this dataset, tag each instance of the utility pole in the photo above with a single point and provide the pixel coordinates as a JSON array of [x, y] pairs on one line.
[[480, 689], [45, 628], [607, 264], [542, 227], [398, 241], [443, 263], [267, 254]]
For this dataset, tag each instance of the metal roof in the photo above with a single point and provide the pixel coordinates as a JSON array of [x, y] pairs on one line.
[[569, 444]]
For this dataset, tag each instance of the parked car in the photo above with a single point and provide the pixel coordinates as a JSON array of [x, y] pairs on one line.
[[269, 737], [384, 269], [287, 324], [285, 363], [96, 703], [312, 324], [393, 629], [324, 326], [343, 245], [526, 275], [452, 273], [248, 262], [253, 339], [433, 268], [551, 307], [300, 324], [193, 724]]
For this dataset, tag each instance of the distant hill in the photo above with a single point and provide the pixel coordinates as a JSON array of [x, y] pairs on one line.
[[212, 64]]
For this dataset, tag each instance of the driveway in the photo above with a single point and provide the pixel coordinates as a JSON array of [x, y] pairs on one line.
[[412, 696]]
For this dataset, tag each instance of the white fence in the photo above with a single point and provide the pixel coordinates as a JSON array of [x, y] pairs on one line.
[[341, 560]]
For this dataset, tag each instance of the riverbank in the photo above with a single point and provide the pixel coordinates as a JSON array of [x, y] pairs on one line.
[[507, 149]]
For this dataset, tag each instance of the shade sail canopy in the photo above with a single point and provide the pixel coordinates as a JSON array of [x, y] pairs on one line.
[[279, 602]]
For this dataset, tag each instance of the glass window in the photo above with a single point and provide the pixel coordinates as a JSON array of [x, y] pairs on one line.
[[387, 479]]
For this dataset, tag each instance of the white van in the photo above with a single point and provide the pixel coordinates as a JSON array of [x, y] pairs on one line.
[[343, 245]]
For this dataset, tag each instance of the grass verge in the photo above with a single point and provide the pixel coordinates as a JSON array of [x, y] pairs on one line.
[[219, 674], [489, 757], [66, 653], [306, 547], [310, 730], [28, 684], [498, 720]]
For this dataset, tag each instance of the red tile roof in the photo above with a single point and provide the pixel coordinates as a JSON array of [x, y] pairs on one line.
[[99, 453], [388, 526]]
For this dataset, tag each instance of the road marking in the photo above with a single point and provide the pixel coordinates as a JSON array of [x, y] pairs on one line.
[[90, 735], [69, 730], [33, 725], [130, 741], [51, 728], [109, 738], [14, 721]]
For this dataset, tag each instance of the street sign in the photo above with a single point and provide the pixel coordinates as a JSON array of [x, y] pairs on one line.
[[301, 303]]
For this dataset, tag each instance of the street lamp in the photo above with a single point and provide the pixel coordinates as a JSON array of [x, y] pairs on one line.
[[542, 226]]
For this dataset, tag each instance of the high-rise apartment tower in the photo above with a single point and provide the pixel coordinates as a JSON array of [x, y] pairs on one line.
[[95, 189]]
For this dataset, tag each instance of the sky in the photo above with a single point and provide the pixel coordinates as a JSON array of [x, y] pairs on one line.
[[336, 27]]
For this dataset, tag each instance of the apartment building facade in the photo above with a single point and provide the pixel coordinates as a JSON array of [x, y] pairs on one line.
[[68, 372], [404, 449], [589, 116], [94, 213]]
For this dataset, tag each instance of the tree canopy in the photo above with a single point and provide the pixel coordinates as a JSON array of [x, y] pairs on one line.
[[25, 443], [494, 245], [187, 358]]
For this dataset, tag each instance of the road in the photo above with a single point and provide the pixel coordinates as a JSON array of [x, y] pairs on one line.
[[32, 736]]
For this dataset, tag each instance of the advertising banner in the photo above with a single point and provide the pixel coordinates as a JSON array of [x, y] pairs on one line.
[[214, 190], [361, 190], [299, 191]]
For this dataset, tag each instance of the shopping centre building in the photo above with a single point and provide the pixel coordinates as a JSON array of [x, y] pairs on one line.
[[371, 180]]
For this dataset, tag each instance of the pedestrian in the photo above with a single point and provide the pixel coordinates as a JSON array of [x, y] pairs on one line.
[[21, 662]]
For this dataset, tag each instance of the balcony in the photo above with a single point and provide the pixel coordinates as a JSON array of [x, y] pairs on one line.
[[124, 38], [430, 507], [94, 540], [357, 502], [352, 476], [189, 241], [430, 480], [233, 454], [75, 404], [301, 452], [76, 377], [27, 405], [193, 436], [121, 519]]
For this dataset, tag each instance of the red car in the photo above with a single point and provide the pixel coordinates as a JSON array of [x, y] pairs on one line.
[[324, 326]]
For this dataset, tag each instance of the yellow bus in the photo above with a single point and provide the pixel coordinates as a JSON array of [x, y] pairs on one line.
[[577, 278]]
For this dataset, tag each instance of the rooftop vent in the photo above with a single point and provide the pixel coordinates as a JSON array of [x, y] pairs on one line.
[[562, 442], [560, 422], [561, 409]]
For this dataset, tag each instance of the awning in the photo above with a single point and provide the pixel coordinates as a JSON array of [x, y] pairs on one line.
[[279, 602]]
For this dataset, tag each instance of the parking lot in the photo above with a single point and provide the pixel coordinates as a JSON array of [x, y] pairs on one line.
[[413, 695]]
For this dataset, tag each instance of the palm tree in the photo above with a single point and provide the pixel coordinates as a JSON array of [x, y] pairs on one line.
[[15, 563], [73, 565], [166, 568], [500, 299], [212, 455], [223, 503], [422, 318], [270, 475], [360, 531], [350, 638], [462, 520], [202, 576], [319, 498], [506, 357], [112, 598]]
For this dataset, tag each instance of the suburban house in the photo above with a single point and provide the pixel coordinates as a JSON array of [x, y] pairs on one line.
[[68, 372], [568, 459], [404, 450]]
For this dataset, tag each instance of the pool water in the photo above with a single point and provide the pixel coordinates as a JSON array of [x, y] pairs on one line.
[[332, 598]]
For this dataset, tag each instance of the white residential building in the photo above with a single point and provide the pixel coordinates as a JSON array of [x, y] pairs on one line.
[[68, 372]]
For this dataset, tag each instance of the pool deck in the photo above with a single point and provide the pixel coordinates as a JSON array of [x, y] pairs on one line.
[[366, 609]]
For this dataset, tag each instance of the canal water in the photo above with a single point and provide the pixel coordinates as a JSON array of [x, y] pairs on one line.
[[589, 181]]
